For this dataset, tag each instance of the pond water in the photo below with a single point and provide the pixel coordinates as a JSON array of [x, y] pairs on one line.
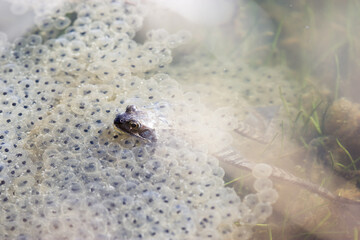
[[253, 104]]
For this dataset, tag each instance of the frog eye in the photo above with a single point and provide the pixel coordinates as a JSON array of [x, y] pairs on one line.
[[134, 125]]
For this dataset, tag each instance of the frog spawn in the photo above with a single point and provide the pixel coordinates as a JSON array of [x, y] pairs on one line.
[[66, 173], [170, 165], [260, 98]]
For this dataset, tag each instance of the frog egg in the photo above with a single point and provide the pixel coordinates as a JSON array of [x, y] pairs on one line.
[[157, 35], [192, 98], [11, 226], [231, 198], [50, 44], [62, 54], [262, 183], [23, 183], [91, 166], [101, 13], [134, 21], [81, 22], [61, 22], [34, 40], [183, 36], [178, 39], [70, 204], [9, 70], [242, 233], [103, 72], [55, 226], [171, 93], [80, 106], [262, 170], [219, 140], [209, 219], [116, 181], [268, 195], [93, 35], [72, 34], [136, 219], [70, 222], [155, 166], [122, 233], [70, 65], [226, 117], [262, 210], [86, 12], [97, 25], [44, 23], [27, 65], [149, 61], [105, 44], [77, 47], [49, 154], [19, 43], [164, 56], [107, 92], [5, 53], [225, 230], [249, 219], [51, 58], [133, 83], [126, 201], [120, 27], [37, 70], [126, 155], [251, 200], [53, 69], [218, 172], [27, 52], [76, 188]]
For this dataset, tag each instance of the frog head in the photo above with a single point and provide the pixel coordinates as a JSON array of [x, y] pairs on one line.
[[132, 122]]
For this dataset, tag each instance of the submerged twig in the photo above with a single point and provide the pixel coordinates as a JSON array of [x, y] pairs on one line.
[[233, 158]]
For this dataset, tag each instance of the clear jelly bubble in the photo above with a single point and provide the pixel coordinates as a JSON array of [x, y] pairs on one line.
[[262, 170]]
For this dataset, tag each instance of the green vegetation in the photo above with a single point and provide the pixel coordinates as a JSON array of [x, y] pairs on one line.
[[318, 40]]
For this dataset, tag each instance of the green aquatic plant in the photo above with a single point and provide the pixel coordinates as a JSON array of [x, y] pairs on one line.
[[356, 233], [347, 154], [237, 179]]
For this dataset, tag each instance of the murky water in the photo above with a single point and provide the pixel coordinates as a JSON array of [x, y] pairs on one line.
[[274, 81]]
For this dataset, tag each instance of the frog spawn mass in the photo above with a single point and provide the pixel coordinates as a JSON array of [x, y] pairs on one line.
[[65, 173]]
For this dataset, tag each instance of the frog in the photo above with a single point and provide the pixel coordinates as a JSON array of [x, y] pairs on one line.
[[132, 122]]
